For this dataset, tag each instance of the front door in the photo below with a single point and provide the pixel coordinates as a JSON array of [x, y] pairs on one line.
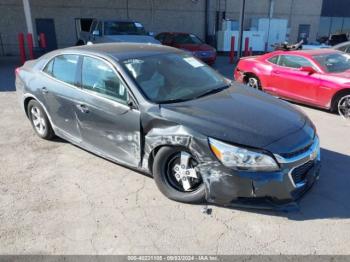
[[47, 26], [295, 84], [106, 122]]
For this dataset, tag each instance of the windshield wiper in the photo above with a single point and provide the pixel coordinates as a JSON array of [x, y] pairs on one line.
[[178, 100], [213, 91], [209, 92]]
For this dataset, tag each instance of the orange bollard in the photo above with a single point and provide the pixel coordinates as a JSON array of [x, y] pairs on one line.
[[22, 51], [232, 50], [42, 40], [246, 46], [30, 45]]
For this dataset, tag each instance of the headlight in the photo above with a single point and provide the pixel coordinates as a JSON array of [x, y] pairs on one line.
[[241, 158]]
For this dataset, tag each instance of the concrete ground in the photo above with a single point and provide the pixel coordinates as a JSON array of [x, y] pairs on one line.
[[56, 198]]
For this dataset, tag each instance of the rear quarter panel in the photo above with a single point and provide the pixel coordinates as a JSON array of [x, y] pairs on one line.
[[28, 80]]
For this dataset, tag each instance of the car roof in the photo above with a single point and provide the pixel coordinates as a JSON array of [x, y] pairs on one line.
[[122, 51], [307, 53], [341, 44]]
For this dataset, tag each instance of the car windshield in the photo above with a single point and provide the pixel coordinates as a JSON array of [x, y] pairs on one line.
[[334, 62], [173, 77], [123, 28], [187, 39]]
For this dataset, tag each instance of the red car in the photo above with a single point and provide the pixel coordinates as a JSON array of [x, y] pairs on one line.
[[319, 77], [189, 42]]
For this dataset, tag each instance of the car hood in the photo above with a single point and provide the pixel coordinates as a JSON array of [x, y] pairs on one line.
[[195, 47], [132, 38], [238, 115]]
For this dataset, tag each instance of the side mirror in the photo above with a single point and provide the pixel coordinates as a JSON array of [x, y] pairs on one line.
[[308, 69], [132, 104], [96, 33], [151, 33]]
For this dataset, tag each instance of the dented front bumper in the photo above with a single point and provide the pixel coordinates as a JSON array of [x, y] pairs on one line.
[[228, 187], [263, 190], [273, 190]]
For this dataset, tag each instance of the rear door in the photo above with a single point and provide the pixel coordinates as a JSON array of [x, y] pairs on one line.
[[60, 91], [292, 83], [106, 122]]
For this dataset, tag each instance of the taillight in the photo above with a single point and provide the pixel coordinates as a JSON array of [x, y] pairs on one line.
[[17, 70]]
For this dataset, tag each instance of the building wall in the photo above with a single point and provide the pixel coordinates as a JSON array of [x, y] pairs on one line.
[[295, 11], [335, 18], [156, 15], [12, 21]]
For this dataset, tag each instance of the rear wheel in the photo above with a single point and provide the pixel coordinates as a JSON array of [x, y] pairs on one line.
[[341, 104], [253, 82], [39, 120], [174, 171], [344, 106]]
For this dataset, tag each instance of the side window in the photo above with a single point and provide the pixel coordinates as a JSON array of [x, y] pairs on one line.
[[99, 77], [64, 68], [294, 61], [273, 59], [48, 68], [93, 26], [343, 48], [347, 49], [99, 27]]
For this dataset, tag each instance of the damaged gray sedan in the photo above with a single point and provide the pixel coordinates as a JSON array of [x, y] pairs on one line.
[[161, 111]]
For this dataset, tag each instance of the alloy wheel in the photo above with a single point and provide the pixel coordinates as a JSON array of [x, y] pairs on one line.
[[181, 172], [344, 107], [253, 82], [38, 120]]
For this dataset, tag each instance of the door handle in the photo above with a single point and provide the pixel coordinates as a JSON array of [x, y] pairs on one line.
[[83, 108], [44, 90], [276, 72]]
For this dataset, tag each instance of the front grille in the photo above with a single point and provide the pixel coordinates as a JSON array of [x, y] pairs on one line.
[[296, 153], [299, 173]]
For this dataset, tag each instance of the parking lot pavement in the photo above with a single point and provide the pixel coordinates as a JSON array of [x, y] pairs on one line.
[[59, 199]]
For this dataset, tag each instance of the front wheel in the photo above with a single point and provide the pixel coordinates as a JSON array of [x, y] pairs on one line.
[[176, 176], [253, 82]]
